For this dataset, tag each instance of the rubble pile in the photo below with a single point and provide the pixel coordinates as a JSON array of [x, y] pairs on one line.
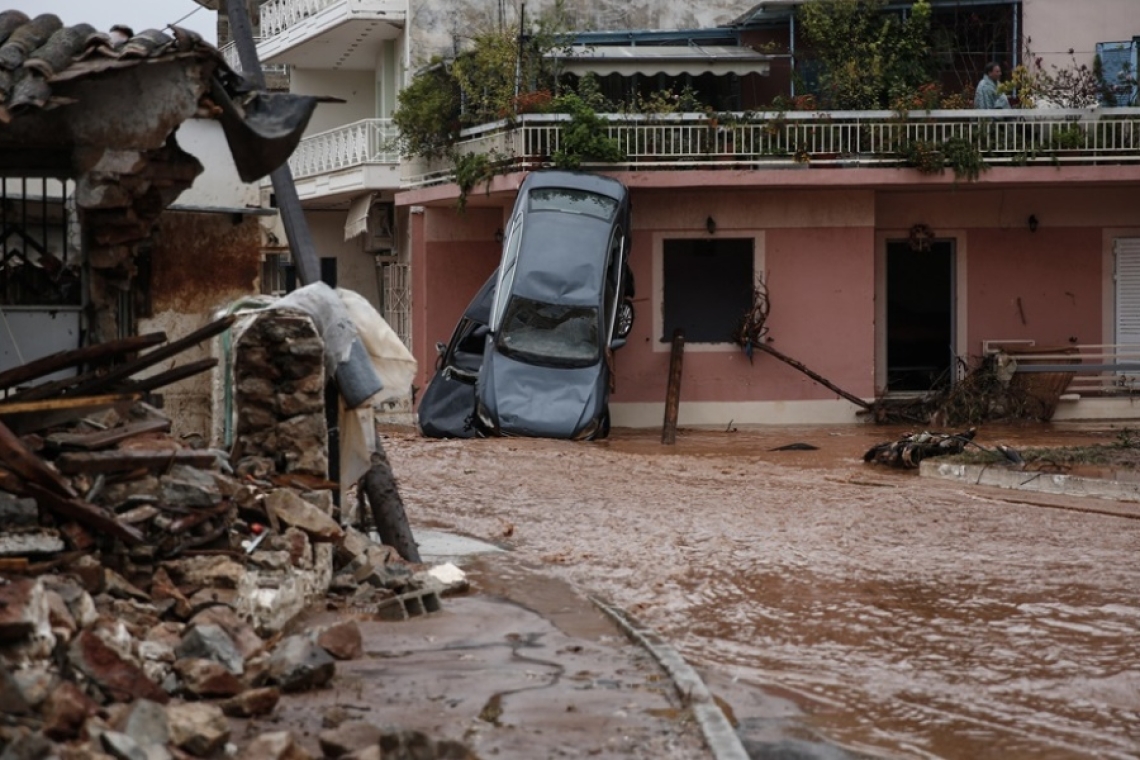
[[145, 581]]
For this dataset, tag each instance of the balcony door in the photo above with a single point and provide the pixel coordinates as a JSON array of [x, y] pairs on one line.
[[920, 315]]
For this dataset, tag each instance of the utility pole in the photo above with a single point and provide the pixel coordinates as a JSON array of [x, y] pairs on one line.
[[301, 245]]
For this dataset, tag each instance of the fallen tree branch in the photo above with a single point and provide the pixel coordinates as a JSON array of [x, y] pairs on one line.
[[814, 375]]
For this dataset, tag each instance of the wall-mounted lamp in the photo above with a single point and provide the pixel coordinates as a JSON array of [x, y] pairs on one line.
[[710, 225], [1033, 223], [499, 235]]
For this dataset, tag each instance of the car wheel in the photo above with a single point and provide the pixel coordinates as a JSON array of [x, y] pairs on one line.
[[624, 319], [604, 428]]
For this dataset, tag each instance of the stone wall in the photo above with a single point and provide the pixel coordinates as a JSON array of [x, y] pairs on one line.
[[279, 397]]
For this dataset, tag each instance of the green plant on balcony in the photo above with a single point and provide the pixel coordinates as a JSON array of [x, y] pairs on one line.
[[470, 170], [960, 154], [585, 137], [865, 52], [427, 115]]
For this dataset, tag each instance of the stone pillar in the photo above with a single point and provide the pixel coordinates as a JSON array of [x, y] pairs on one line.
[[279, 397]]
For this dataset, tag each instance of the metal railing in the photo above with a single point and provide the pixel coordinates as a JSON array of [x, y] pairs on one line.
[[829, 138], [371, 141], [1100, 369], [230, 53], [279, 15]]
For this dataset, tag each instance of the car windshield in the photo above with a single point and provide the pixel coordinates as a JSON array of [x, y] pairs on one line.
[[572, 201], [552, 334]]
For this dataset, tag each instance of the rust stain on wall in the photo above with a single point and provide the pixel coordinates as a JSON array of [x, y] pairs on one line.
[[201, 261]]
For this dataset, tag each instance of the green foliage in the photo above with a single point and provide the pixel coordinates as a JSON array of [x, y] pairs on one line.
[[868, 55], [960, 154], [428, 114], [585, 137], [470, 170], [486, 76]]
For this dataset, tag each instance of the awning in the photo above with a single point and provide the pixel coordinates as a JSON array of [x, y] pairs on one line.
[[671, 60], [357, 222]]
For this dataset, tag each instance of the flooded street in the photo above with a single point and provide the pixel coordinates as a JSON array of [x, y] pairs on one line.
[[902, 617]]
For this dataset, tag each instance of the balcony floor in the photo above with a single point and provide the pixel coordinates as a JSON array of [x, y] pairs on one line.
[[333, 39]]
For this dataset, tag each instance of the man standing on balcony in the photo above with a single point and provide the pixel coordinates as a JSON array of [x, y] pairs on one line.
[[986, 95]]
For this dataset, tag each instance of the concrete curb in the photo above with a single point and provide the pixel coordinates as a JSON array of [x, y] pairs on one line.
[[718, 732], [1059, 484]]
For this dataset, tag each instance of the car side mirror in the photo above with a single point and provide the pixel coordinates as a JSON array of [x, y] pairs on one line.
[[617, 343], [440, 347]]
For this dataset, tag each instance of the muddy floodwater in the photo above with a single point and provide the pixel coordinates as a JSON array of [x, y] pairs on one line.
[[899, 616]]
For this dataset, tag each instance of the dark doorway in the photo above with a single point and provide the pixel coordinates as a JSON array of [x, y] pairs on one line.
[[708, 287], [920, 316]]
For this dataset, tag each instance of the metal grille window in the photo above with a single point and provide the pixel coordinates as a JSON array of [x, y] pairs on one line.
[[396, 308], [39, 243], [275, 273]]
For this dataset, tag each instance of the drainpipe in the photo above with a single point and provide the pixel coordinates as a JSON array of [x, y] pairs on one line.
[[792, 51], [1015, 46]]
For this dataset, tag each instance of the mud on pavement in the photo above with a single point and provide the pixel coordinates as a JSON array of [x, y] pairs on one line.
[[898, 617]]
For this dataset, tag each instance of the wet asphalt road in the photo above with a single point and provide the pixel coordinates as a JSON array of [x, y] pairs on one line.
[[897, 616]]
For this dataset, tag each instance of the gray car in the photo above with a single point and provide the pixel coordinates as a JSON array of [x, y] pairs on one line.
[[561, 306]]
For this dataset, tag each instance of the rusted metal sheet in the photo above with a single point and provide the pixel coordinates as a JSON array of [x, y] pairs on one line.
[[201, 261]]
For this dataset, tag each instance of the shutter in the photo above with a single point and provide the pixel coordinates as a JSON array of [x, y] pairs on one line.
[[1128, 291]]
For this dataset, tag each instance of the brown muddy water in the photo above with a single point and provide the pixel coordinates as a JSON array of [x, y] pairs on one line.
[[903, 617]]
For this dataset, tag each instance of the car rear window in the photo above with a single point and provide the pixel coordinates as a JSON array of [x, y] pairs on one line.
[[550, 334], [572, 201]]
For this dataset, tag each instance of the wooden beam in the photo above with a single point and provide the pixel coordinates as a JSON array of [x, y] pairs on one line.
[[673, 390], [93, 462], [67, 402], [20, 459], [75, 357], [173, 375], [87, 514], [123, 371], [104, 439]]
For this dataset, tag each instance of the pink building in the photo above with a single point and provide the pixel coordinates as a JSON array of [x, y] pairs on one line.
[[879, 276]]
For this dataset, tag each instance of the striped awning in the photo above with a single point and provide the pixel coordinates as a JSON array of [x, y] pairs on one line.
[[671, 60]]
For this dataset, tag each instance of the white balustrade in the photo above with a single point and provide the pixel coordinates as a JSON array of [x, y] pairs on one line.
[[371, 141], [828, 138], [233, 60]]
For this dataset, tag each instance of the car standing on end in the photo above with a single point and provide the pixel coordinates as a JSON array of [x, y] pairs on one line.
[[562, 305]]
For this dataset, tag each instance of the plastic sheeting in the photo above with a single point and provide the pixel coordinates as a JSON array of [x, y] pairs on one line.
[[391, 359]]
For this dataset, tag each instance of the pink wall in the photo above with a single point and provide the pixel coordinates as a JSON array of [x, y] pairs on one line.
[[819, 250], [821, 284], [454, 256], [1056, 274]]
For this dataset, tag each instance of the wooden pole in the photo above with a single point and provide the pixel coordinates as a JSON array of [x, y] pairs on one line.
[[88, 354], [379, 485], [814, 375], [673, 392]]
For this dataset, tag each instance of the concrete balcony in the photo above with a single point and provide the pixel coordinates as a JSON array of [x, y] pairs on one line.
[[328, 34], [335, 165], [803, 140]]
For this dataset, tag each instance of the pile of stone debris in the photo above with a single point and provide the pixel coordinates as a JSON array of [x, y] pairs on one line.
[[146, 584]]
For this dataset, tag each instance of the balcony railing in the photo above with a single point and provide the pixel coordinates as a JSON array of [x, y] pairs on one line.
[[371, 141], [800, 139], [279, 15], [230, 53]]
